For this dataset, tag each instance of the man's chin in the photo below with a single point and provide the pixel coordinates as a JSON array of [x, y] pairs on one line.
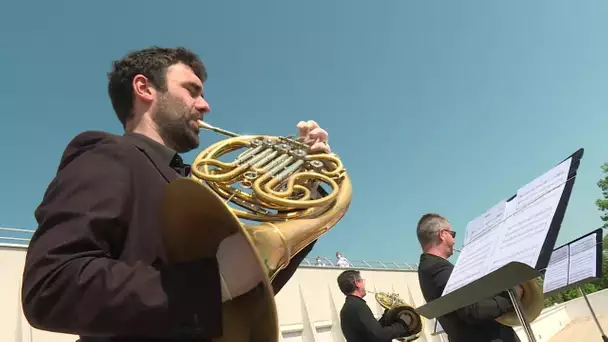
[[188, 144]]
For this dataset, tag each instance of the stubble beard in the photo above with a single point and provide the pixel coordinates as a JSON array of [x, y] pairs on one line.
[[173, 119]]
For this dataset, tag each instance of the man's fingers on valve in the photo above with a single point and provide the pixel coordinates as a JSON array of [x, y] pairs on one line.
[[318, 134], [320, 146], [305, 127], [314, 136]]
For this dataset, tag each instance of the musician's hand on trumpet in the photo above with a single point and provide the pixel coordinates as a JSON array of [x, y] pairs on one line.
[[314, 136]]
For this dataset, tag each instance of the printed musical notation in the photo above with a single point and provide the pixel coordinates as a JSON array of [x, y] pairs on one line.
[[583, 259], [510, 231], [556, 275], [572, 263], [487, 221]]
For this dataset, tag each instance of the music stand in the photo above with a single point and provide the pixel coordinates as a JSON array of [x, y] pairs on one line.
[[604, 337], [507, 276], [565, 271], [491, 281]]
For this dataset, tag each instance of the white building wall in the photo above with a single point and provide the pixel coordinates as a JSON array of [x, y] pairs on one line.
[[308, 305]]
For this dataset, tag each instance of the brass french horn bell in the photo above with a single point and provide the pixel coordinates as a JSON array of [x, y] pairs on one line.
[[397, 306], [532, 302], [275, 193]]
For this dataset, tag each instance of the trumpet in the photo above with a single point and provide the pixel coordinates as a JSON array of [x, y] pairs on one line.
[[274, 194], [396, 307]]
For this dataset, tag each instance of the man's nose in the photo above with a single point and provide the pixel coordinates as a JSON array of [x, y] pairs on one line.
[[202, 105]]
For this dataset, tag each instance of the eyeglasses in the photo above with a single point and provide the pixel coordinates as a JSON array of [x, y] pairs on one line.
[[451, 232]]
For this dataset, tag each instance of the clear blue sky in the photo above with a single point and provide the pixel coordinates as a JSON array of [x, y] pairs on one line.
[[434, 106]]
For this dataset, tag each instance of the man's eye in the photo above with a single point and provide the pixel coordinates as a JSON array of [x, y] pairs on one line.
[[194, 92]]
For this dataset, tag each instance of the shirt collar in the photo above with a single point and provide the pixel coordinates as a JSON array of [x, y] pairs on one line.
[[166, 154], [353, 297]]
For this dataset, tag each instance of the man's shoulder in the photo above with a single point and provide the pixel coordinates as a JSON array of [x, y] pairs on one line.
[[100, 142], [100, 139], [348, 309], [430, 260], [95, 138], [430, 265]]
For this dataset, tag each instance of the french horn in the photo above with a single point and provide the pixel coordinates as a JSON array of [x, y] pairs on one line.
[[397, 306], [275, 193], [532, 304]]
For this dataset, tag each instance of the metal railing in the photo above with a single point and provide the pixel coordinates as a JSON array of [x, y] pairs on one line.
[[21, 238], [15, 236], [369, 264]]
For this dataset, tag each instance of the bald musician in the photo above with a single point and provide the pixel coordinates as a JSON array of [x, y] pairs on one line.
[[475, 322]]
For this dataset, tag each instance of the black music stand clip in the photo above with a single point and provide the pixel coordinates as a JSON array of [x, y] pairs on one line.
[[504, 278]]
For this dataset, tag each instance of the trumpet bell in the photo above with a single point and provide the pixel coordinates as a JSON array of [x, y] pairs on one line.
[[532, 301], [270, 194]]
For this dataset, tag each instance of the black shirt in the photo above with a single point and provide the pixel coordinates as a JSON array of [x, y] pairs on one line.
[[168, 155], [359, 324], [473, 323]]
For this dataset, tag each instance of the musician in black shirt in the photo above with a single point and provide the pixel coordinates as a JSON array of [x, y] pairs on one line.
[[356, 318], [475, 322]]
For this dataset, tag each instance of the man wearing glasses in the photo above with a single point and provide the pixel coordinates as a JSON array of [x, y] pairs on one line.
[[356, 318], [475, 322]]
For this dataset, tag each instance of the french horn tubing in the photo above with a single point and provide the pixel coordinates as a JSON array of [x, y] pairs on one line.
[[275, 193], [397, 306]]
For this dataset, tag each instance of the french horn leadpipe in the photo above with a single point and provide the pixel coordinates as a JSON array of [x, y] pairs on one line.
[[532, 302], [204, 125]]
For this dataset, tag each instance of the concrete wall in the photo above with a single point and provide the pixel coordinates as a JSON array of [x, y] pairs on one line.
[[555, 318], [308, 305]]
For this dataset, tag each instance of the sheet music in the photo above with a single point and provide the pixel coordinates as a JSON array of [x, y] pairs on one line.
[[516, 234], [487, 220], [529, 218], [583, 261], [475, 257], [472, 228], [556, 275]]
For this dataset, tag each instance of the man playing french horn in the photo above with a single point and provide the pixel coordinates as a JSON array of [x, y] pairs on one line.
[[357, 321], [474, 322], [97, 266]]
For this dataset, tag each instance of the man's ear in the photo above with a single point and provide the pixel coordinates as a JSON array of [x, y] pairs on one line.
[[143, 88]]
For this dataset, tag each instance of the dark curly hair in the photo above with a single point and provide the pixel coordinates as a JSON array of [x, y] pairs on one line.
[[151, 62]]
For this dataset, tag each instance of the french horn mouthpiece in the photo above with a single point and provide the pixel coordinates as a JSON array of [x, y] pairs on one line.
[[203, 124]]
